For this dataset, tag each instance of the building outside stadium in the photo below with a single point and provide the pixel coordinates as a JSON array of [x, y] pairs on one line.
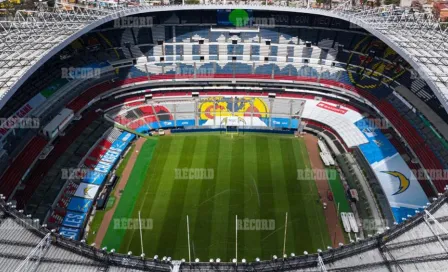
[[220, 135]]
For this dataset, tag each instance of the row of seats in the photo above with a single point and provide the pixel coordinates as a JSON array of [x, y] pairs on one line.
[[20, 165], [211, 69], [187, 34], [418, 145], [56, 217], [430, 138], [97, 153]]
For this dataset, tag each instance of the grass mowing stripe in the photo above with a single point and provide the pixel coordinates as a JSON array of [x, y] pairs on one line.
[[338, 190], [203, 224], [221, 210], [269, 241], [114, 236], [173, 215], [236, 205], [191, 202], [146, 200], [296, 192], [253, 199], [285, 192]]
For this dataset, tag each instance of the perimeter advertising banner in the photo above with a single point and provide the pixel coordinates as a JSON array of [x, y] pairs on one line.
[[94, 177], [74, 220], [86, 190], [122, 141], [78, 204], [107, 161], [70, 233]]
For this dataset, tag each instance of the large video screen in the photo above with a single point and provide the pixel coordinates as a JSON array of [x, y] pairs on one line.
[[234, 17]]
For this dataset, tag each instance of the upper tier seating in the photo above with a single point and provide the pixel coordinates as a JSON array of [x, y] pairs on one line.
[[42, 167], [20, 165]]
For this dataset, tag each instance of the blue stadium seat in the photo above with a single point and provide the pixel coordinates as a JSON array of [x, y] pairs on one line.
[[255, 49], [213, 49], [242, 68], [196, 49], [307, 71], [269, 35], [265, 69], [169, 50]]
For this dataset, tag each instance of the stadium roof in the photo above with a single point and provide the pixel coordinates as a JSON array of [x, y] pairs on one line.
[[32, 37]]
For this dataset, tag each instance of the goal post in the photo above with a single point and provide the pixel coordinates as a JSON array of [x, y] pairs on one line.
[[232, 125]]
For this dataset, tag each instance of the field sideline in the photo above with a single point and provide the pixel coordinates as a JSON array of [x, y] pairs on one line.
[[254, 177]]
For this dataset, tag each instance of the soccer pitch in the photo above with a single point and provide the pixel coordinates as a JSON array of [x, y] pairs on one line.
[[253, 176]]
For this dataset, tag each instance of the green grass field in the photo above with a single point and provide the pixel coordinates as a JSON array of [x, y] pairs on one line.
[[254, 177]]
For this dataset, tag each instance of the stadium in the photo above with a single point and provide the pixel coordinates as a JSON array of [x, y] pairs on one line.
[[222, 137]]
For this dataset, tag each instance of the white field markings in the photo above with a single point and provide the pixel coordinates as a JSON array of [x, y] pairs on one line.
[[308, 165], [256, 190], [212, 197], [279, 229]]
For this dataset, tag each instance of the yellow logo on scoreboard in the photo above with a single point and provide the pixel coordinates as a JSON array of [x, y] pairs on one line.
[[240, 106]]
